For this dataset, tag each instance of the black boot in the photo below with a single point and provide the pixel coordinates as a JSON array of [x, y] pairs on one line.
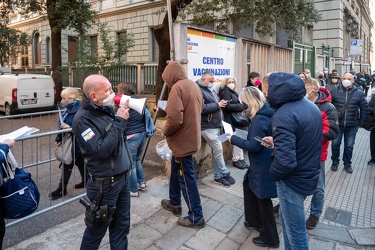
[[82, 184], [58, 193]]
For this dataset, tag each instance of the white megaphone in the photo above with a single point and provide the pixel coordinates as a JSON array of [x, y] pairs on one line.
[[134, 103]]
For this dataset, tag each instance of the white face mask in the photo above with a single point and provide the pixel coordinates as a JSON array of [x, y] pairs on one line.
[[109, 100], [231, 85], [210, 85], [346, 83], [325, 72], [334, 80], [308, 75]]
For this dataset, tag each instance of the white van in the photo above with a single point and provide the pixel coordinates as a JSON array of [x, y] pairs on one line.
[[26, 93]]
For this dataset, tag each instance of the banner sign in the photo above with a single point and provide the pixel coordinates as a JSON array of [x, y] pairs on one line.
[[208, 51], [356, 47]]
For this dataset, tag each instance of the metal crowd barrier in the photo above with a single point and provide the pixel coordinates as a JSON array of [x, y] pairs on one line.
[[36, 154]]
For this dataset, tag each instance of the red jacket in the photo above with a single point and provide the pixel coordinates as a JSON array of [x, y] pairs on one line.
[[329, 119]]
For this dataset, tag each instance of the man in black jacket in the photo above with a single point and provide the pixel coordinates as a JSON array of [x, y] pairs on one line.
[[100, 134], [352, 111]]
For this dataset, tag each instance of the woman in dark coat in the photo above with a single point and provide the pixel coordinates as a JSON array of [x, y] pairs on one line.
[[258, 186], [228, 92], [69, 100]]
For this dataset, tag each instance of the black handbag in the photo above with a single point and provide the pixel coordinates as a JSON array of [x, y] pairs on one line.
[[238, 120], [370, 124]]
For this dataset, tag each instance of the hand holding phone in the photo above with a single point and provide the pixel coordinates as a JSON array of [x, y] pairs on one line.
[[260, 139]]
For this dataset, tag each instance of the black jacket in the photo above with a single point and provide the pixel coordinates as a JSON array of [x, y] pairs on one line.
[[211, 113], [100, 135], [233, 106], [356, 112]]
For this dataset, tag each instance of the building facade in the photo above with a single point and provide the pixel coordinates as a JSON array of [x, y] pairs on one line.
[[324, 44], [342, 22]]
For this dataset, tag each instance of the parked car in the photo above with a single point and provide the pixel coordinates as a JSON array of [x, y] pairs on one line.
[[26, 93]]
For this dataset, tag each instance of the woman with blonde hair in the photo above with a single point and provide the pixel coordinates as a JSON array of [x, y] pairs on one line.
[[258, 187], [69, 100], [228, 92]]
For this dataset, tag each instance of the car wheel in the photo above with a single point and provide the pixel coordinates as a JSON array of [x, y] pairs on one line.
[[7, 109]]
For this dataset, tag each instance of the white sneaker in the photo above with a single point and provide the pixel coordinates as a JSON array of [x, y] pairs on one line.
[[142, 186], [134, 194]]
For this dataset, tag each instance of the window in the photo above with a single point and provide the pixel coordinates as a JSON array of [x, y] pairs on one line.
[[94, 46], [37, 49], [48, 51], [72, 49], [24, 56], [121, 45], [155, 48]]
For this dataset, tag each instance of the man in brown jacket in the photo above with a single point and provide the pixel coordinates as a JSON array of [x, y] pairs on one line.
[[183, 133]]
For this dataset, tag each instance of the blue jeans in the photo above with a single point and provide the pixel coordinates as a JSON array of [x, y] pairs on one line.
[[136, 145], [349, 139], [183, 180], [218, 163], [292, 216], [317, 200], [117, 195]]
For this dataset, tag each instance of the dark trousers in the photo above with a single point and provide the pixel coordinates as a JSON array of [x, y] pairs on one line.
[[66, 172], [2, 227], [259, 213], [183, 180], [372, 144], [116, 194]]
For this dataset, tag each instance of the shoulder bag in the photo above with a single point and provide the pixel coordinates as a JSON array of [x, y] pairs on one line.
[[64, 151], [19, 195]]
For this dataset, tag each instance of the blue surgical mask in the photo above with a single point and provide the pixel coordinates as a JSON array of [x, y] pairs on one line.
[[308, 75], [64, 103]]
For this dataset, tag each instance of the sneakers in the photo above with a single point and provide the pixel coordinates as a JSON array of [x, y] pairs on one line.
[[142, 186], [312, 221], [334, 166], [222, 181], [276, 208], [371, 162], [348, 169], [134, 194], [185, 222], [58, 193], [229, 178], [244, 164], [176, 210], [238, 164]]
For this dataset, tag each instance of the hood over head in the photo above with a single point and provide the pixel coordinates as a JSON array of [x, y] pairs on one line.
[[284, 88], [323, 96], [173, 73]]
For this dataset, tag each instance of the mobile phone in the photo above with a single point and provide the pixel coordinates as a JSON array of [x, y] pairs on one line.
[[260, 139]]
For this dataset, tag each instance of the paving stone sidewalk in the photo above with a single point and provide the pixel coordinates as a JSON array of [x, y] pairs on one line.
[[154, 228]]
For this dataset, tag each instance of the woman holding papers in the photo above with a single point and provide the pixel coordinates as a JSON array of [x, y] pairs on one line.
[[228, 92], [69, 100], [258, 186]]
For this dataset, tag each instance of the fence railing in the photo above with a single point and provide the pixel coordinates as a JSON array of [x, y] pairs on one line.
[[141, 76]]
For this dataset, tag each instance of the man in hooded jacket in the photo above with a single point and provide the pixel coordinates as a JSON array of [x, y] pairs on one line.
[[183, 132], [297, 134], [322, 98]]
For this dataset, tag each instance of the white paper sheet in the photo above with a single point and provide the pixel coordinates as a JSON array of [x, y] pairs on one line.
[[22, 132], [228, 131], [162, 104]]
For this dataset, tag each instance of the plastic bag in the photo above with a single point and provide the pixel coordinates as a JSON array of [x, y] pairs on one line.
[[163, 150]]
